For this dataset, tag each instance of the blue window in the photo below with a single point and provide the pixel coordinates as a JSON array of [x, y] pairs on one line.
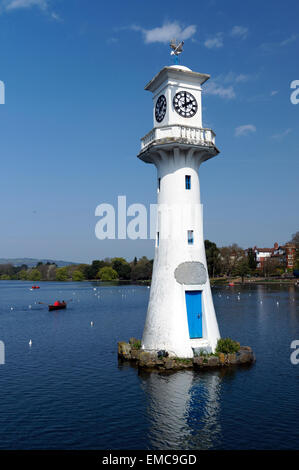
[[190, 237], [188, 181]]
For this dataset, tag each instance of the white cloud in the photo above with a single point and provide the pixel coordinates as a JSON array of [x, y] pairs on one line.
[[232, 77], [282, 135], [272, 46], [213, 88], [215, 42], [239, 32], [112, 40], [166, 32], [223, 85], [16, 4], [289, 40], [55, 16], [244, 130]]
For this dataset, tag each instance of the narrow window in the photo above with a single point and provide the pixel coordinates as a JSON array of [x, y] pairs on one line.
[[158, 238], [159, 184], [188, 181], [190, 237]]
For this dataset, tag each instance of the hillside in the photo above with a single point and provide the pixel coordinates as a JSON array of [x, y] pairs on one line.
[[31, 262]]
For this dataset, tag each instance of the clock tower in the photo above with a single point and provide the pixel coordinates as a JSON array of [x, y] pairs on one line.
[[180, 318]]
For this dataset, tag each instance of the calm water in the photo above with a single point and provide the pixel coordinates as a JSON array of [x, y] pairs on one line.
[[68, 390]]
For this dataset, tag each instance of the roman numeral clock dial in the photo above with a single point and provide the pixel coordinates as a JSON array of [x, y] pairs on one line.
[[185, 104], [160, 109]]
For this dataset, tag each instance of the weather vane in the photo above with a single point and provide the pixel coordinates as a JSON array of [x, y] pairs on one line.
[[177, 49]]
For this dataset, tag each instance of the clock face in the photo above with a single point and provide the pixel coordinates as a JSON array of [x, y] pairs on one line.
[[185, 104], [160, 109]]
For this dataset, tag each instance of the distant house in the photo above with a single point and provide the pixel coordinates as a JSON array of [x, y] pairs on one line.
[[290, 254], [285, 254]]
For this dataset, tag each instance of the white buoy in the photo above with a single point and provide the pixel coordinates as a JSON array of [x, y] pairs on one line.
[[91, 323], [30, 343], [29, 306], [11, 308]]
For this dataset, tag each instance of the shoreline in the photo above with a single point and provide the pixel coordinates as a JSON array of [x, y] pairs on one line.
[[214, 282]]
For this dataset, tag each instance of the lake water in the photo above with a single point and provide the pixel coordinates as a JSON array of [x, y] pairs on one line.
[[68, 391]]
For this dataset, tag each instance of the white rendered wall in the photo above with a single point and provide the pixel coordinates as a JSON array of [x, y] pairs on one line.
[[179, 210], [171, 116]]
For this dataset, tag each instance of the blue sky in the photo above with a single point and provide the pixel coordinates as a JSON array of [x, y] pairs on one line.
[[74, 72]]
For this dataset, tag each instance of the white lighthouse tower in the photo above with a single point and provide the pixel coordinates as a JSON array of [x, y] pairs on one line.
[[181, 316]]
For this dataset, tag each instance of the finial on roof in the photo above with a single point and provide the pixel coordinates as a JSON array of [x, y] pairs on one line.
[[177, 49]]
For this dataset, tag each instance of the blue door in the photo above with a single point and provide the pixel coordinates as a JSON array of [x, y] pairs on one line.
[[194, 312]]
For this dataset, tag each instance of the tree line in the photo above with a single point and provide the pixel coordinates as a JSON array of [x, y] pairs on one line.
[[228, 261], [103, 270]]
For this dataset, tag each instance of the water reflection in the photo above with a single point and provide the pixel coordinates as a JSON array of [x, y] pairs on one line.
[[293, 306], [183, 409]]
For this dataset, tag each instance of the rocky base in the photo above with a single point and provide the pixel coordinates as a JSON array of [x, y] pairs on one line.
[[150, 360]]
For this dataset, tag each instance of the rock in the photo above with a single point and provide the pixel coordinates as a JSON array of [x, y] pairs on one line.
[[221, 358], [135, 354], [213, 361], [147, 359], [244, 356], [124, 349], [169, 364], [183, 363], [197, 361], [151, 360], [245, 348], [232, 358]]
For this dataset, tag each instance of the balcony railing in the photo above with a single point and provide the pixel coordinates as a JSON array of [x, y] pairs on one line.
[[179, 133]]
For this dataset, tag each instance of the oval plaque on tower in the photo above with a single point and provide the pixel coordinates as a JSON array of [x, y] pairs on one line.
[[191, 272]]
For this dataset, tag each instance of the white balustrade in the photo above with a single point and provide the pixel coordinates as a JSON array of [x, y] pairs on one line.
[[178, 132]]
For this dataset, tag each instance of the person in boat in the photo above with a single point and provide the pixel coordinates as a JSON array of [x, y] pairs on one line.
[[57, 303]]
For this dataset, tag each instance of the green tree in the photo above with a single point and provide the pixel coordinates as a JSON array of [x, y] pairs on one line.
[[22, 275], [78, 276], [272, 267], [92, 271], [213, 258], [142, 271], [241, 268], [229, 256], [34, 275], [107, 274], [122, 267], [61, 274], [5, 277], [251, 259]]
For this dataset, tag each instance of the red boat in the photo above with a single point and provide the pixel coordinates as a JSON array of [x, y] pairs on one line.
[[59, 306], [35, 287]]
